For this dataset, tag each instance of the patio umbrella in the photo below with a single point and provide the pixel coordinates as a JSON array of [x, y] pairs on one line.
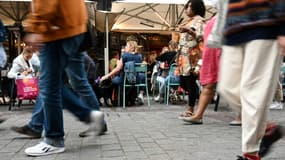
[[13, 13]]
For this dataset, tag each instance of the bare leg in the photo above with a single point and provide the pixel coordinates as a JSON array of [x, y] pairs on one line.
[[206, 96], [190, 109]]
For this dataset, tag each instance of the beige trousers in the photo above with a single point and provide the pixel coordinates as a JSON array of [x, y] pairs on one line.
[[247, 78]]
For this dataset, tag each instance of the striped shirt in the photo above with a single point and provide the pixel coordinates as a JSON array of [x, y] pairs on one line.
[[254, 19]]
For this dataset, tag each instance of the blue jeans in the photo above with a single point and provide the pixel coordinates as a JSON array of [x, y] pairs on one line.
[[163, 82], [119, 79], [57, 57], [71, 101]]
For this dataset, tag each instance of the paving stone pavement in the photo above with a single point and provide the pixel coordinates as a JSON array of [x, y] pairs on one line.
[[140, 133]]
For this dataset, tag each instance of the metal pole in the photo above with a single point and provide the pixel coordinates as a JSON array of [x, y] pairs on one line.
[[19, 42], [106, 53]]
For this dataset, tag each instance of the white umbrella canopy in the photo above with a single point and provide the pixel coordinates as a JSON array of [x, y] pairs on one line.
[[14, 11], [153, 16], [138, 15]]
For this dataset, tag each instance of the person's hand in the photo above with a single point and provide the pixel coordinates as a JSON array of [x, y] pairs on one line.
[[32, 40], [281, 41], [27, 72], [104, 78], [182, 29]]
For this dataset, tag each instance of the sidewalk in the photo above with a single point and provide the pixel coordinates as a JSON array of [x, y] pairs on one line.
[[140, 133]]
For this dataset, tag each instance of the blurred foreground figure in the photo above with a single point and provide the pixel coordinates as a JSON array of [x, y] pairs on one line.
[[250, 63], [57, 29]]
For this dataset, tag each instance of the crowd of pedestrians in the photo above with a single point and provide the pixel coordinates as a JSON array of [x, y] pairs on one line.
[[253, 35]]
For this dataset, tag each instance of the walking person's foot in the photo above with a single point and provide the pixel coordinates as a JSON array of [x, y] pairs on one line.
[[26, 130], [235, 123], [2, 119], [43, 149], [97, 122], [272, 134], [248, 157], [89, 132], [193, 120]]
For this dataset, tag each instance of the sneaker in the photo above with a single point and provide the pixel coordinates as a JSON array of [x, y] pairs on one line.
[[43, 149], [97, 122], [26, 130], [109, 102], [102, 102], [272, 134], [156, 99], [276, 105], [89, 132], [248, 157], [235, 123], [141, 100]]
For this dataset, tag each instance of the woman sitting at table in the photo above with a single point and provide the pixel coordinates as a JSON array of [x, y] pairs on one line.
[[22, 66], [117, 73]]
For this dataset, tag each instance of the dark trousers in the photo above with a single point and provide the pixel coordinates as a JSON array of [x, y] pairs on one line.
[[188, 83]]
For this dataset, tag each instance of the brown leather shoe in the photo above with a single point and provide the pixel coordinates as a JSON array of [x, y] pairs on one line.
[[26, 130], [2, 119]]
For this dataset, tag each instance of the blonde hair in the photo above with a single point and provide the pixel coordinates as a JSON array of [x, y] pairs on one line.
[[28, 50], [131, 45]]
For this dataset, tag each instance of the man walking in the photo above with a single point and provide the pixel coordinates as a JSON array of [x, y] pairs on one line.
[[57, 28], [250, 64]]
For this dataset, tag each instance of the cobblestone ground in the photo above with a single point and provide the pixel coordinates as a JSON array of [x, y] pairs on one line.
[[140, 133]]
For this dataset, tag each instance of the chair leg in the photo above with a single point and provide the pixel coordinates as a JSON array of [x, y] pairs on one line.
[[12, 102], [167, 94], [10, 105], [147, 95], [124, 97], [119, 96], [20, 103], [3, 97]]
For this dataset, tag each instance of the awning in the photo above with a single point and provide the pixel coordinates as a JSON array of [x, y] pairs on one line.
[[14, 12], [148, 16], [136, 15]]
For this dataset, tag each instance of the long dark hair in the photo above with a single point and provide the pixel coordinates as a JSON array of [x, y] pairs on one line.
[[197, 6]]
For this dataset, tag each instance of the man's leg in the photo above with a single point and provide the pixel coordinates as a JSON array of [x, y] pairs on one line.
[[53, 59], [78, 78], [261, 68], [37, 118], [230, 75], [75, 71], [35, 127]]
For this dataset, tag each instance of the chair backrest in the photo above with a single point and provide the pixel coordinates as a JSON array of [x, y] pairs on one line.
[[141, 67], [130, 72], [172, 69]]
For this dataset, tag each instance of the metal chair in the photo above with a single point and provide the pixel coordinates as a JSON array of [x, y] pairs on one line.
[[139, 68], [12, 96], [169, 83]]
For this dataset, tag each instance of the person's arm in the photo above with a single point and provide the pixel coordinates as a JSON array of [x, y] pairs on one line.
[[42, 13], [114, 71], [190, 31], [281, 41], [15, 71], [3, 56]]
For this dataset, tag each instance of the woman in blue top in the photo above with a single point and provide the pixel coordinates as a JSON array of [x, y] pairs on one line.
[[128, 55]]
